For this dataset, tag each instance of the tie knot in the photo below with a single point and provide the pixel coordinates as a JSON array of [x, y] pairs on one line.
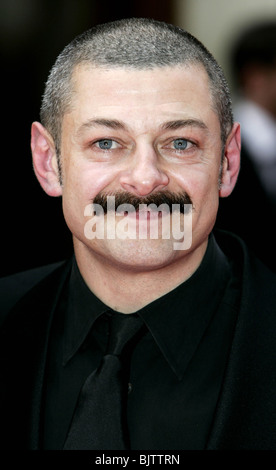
[[122, 329]]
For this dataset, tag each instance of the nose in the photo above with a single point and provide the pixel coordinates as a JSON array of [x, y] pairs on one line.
[[144, 175]]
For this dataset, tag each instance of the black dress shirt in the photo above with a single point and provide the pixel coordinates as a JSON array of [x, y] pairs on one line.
[[177, 366]]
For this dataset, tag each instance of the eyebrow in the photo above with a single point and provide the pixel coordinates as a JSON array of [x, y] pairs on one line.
[[116, 124], [102, 122], [179, 123]]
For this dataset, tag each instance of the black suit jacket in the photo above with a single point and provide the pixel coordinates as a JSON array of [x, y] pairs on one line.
[[246, 412]]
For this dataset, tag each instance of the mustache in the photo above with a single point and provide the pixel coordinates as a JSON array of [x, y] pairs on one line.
[[162, 197]]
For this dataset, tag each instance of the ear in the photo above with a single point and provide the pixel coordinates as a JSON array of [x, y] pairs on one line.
[[45, 160], [231, 161]]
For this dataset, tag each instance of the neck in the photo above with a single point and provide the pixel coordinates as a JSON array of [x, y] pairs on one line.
[[126, 290]]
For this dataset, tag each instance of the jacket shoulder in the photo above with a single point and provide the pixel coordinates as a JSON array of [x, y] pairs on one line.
[[257, 280], [244, 258], [245, 417], [15, 286]]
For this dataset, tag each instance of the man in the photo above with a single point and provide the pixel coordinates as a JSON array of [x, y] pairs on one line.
[[137, 113]]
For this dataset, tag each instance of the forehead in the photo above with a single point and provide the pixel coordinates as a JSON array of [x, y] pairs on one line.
[[145, 95]]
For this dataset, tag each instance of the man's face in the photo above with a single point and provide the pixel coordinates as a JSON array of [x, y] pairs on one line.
[[141, 132]]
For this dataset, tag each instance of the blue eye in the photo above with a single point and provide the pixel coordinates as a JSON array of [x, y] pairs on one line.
[[180, 144], [105, 144]]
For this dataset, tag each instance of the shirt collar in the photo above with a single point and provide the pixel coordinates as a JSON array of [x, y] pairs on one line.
[[82, 310], [177, 320]]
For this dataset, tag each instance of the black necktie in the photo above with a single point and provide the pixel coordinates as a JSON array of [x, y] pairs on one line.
[[100, 421]]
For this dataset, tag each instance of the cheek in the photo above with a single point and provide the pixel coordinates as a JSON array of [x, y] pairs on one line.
[[83, 182], [199, 183], [202, 186], [206, 201], [206, 195]]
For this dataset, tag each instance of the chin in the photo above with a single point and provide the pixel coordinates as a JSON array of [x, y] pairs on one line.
[[138, 255]]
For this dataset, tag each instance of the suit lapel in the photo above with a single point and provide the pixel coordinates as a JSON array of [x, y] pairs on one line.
[[244, 419], [23, 347]]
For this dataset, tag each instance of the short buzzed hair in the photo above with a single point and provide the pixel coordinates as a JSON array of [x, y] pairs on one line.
[[134, 43]]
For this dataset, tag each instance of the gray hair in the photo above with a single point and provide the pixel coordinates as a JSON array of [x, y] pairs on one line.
[[131, 43]]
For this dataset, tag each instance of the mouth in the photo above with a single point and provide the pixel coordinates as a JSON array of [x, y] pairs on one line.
[[144, 214]]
